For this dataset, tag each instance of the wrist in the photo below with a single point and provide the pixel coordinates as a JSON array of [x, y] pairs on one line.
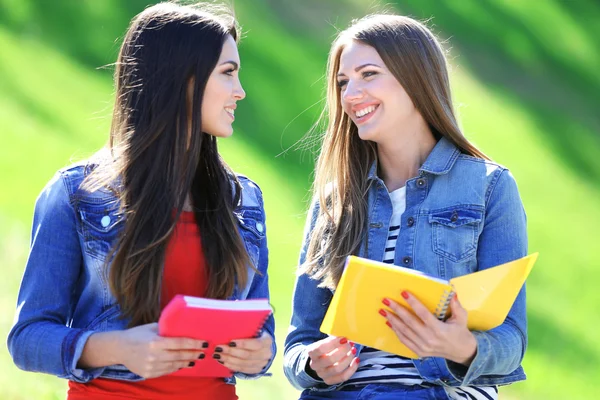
[[311, 372], [468, 350], [102, 349]]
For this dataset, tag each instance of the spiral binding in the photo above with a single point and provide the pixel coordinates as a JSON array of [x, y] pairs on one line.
[[262, 326], [442, 307]]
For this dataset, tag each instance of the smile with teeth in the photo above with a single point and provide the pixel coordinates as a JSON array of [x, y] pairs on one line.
[[231, 111], [365, 111]]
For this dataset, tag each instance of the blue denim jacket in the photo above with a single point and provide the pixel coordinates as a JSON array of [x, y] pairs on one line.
[[463, 214], [64, 296]]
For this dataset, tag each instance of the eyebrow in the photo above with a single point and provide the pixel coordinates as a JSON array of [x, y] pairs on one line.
[[361, 67], [233, 64]]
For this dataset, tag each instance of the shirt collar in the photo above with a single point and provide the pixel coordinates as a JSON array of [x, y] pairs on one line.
[[439, 162]]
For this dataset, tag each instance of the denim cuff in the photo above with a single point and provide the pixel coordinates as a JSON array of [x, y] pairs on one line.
[[466, 375], [73, 349]]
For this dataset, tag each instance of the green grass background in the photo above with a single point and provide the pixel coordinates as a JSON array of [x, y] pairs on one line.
[[525, 77]]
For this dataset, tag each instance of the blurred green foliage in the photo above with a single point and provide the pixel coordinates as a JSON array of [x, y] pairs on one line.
[[525, 79]]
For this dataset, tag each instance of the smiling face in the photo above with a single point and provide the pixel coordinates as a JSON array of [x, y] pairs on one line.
[[223, 90], [371, 96]]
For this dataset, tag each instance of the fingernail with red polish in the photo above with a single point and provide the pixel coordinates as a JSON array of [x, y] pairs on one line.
[[386, 302], [388, 323], [405, 294], [343, 340], [354, 350], [382, 312]]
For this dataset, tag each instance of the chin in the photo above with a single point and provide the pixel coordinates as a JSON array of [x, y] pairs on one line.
[[367, 134], [222, 133]]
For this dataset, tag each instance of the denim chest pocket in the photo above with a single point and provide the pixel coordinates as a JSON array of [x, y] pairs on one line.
[[455, 231], [252, 229], [100, 225]]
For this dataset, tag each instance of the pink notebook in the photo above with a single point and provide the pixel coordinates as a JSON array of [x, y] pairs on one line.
[[215, 321]]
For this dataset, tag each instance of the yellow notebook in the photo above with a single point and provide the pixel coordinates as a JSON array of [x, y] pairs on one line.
[[487, 296]]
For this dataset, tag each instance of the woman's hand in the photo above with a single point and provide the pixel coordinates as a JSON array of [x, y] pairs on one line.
[[141, 350], [427, 336], [333, 359], [249, 356]]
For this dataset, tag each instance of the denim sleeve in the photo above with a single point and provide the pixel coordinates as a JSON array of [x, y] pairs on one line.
[[503, 239], [40, 339], [309, 305], [259, 289]]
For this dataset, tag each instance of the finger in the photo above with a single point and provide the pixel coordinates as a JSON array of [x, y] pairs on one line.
[[328, 366], [404, 332], [333, 357], [420, 310], [245, 366], [169, 343], [181, 355], [406, 339], [345, 375], [167, 368], [406, 317], [327, 345], [459, 314], [235, 352], [265, 340], [338, 367]]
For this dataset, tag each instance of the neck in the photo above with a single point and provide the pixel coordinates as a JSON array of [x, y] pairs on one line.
[[400, 159]]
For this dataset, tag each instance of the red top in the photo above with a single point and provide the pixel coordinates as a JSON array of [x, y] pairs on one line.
[[184, 273]]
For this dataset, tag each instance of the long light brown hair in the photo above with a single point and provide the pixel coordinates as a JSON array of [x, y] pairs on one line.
[[416, 59], [159, 154]]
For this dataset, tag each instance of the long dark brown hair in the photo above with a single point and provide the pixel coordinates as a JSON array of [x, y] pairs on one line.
[[159, 155], [416, 59]]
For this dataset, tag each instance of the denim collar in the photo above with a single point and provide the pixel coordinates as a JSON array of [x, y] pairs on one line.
[[439, 162]]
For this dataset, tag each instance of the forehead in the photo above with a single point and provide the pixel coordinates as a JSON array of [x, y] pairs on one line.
[[356, 54], [229, 51]]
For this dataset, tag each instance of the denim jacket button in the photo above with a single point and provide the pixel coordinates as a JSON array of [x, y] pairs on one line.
[[406, 261], [421, 182], [454, 217], [260, 227], [410, 221], [105, 221]]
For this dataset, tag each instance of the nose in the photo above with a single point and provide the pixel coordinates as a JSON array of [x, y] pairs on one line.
[[238, 91], [352, 92]]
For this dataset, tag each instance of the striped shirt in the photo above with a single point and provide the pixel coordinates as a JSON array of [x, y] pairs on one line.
[[378, 366]]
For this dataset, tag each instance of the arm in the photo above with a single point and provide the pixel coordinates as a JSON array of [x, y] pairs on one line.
[[309, 305], [259, 289], [39, 340], [504, 238]]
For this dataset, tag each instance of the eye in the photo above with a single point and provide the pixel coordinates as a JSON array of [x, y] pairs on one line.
[[229, 72], [342, 83], [367, 74]]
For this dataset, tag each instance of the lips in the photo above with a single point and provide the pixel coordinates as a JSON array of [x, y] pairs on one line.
[[364, 112]]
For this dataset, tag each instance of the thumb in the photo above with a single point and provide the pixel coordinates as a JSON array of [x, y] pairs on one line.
[[459, 314]]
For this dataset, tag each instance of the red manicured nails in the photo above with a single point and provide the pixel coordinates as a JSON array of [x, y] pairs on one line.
[[382, 312], [343, 340], [405, 294], [386, 302], [388, 323]]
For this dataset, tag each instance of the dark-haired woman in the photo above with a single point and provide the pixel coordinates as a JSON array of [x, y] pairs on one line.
[[154, 214], [398, 182]]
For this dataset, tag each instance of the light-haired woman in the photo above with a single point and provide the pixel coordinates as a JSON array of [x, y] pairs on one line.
[[155, 214], [397, 181]]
